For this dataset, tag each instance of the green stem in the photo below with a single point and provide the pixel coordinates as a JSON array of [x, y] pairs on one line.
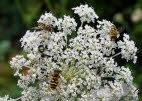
[[115, 55], [66, 41], [81, 24], [18, 98]]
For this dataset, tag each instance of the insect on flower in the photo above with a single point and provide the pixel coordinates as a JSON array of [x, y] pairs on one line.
[[41, 48], [42, 26], [55, 76], [113, 32]]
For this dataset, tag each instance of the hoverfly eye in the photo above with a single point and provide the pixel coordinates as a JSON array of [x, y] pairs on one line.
[[41, 48]]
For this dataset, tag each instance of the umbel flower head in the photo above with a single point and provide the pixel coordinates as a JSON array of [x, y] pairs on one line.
[[81, 68]]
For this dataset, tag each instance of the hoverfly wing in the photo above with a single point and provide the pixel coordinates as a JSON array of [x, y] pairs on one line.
[[37, 28]]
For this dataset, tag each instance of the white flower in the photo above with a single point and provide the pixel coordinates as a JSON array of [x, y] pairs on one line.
[[67, 24], [48, 19], [88, 30], [6, 98], [108, 45], [31, 56], [31, 41], [104, 27], [30, 94], [86, 13], [128, 49], [125, 74], [18, 62]]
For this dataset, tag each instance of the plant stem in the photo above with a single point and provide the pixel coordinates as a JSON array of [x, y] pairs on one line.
[[81, 24], [115, 55], [18, 98], [66, 41]]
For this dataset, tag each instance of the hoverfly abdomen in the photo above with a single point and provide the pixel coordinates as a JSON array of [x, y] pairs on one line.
[[54, 83], [55, 78]]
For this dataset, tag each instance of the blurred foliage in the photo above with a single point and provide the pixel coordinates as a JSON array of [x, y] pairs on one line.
[[16, 16], [4, 48], [28, 9]]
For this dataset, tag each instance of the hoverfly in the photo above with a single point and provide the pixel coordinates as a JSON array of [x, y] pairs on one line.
[[113, 33], [42, 26]]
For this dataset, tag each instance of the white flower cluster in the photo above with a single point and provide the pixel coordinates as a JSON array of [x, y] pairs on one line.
[[88, 69], [67, 24], [85, 13], [6, 98], [128, 49], [48, 19]]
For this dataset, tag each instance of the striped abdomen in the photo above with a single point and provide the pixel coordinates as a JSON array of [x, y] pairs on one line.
[[54, 82]]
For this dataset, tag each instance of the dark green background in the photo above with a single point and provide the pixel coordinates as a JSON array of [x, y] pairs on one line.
[[16, 16]]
